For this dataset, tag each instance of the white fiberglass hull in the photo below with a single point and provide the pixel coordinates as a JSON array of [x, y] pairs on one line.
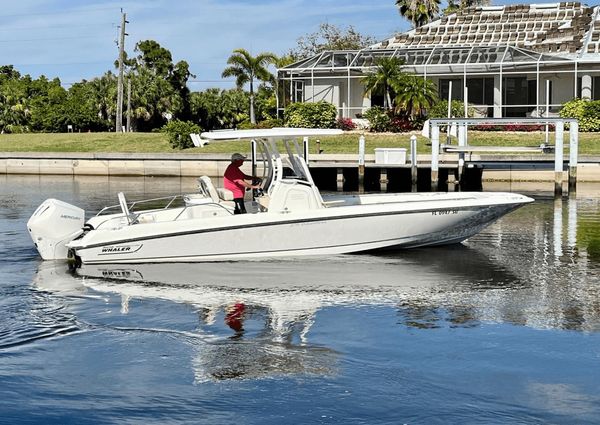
[[374, 222]]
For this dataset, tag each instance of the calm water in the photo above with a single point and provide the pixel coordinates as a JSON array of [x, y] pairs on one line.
[[502, 329]]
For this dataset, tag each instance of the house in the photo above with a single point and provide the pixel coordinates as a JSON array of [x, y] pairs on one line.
[[514, 61]]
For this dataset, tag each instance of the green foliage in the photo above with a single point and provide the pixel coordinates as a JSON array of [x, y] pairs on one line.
[[159, 87], [269, 123], [418, 12], [414, 95], [386, 75], [310, 115], [218, 109], [247, 69], [587, 113], [379, 119], [457, 109], [178, 133]]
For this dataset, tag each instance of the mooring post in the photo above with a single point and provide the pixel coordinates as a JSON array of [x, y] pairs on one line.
[[573, 153], [558, 157], [413, 162], [361, 164], [305, 148], [435, 152]]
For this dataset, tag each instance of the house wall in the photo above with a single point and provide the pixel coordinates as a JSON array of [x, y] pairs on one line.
[[327, 90]]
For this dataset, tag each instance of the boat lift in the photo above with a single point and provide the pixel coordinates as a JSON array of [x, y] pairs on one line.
[[463, 147]]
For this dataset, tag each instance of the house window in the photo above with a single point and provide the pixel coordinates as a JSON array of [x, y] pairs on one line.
[[515, 93], [457, 88], [298, 91]]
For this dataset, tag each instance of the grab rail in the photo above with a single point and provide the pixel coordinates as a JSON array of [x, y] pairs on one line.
[[170, 199]]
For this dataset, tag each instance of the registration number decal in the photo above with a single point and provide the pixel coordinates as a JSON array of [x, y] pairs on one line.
[[444, 212]]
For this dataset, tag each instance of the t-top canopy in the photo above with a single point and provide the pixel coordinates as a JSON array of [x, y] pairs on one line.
[[271, 133]]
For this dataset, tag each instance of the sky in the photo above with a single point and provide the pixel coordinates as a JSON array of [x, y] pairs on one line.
[[77, 39]]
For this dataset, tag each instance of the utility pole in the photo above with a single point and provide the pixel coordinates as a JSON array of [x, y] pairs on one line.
[[128, 103], [119, 121]]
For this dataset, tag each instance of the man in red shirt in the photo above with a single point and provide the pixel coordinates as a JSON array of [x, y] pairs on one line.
[[235, 180]]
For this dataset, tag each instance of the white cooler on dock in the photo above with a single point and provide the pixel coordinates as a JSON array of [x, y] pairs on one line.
[[390, 156]]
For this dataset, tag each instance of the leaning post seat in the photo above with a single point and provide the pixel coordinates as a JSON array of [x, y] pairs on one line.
[[225, 194]]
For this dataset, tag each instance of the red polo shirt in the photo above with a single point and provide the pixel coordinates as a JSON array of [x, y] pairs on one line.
[[231, 181]]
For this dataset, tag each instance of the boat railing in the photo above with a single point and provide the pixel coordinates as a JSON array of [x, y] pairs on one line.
[[167, 200]]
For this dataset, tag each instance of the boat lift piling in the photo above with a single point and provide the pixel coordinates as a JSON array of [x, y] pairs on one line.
[[573, 152], [361, 164], [558, 157], [435, 153]]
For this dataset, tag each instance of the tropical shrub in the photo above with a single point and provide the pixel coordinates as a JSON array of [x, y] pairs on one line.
[[379, 118], [310, 115], [178, 133], [587, 113], [400, 124], [345, 124]]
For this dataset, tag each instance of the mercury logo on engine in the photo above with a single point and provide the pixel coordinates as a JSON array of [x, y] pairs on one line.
[[119, 249], [72, 217]]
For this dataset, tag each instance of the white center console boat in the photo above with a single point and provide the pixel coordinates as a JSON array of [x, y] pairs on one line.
[[289, 217]]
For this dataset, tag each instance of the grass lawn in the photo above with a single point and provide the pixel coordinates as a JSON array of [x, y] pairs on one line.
[[589, 143]]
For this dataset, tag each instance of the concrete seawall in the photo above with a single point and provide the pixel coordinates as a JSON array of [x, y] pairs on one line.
[[192, 165]]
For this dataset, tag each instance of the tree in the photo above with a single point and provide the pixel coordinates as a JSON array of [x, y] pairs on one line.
[[246, 69], [419, 12], [330, 37], [216, 109], [383, 79], [159, 87], [413, 95], [454, 6]]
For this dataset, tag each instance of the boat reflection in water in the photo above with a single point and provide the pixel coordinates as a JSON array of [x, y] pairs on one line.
[[255, 317]]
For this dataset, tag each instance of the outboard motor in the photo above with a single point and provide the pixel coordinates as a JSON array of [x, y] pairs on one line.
[[54, 224]]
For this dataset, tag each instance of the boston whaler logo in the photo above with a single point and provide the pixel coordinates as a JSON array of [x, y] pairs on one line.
[[120, 249]]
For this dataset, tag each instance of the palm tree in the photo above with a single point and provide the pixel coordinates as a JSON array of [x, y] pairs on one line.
[[246, 68], [419, 12], [383, 78], [413, 94]]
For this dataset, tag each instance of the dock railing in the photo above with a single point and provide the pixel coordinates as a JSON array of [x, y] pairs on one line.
[[463, 147]]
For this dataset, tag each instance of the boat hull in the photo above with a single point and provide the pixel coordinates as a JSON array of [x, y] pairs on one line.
[[322, 232]]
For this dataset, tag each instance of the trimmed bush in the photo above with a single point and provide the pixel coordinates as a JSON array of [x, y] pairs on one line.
[[178, 133], [310, 115], [586, 112]]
